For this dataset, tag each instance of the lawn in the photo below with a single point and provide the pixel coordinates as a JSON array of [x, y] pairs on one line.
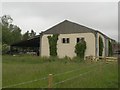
[[0, 72], [33, 71]]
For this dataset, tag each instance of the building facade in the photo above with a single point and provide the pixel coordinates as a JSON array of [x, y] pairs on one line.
[[69, 34]]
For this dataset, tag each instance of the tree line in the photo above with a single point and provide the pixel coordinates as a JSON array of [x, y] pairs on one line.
[[12, 33]]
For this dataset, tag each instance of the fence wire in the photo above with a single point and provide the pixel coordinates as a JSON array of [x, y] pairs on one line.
[[73, 77], [14, 85], [25, 82]]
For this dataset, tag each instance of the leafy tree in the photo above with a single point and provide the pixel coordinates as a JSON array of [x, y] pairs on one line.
[[32, 34], [16, 34], [10, 32], [80, 48], [11, 27], [0, 38], [25, 36], [100, 46], [6, 35], [6, 20], [28, 35]]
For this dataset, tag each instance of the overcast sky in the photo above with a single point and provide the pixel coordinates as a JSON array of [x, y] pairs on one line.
[[40, 16]]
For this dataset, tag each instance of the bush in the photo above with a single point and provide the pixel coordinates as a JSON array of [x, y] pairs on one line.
[[53, 44], [52, 58], [110, 49], [5, 48], [77, 59], [100, 46], [80, 49]]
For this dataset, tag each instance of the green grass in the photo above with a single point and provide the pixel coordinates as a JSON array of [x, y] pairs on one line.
[[0, 71], [18, 69]]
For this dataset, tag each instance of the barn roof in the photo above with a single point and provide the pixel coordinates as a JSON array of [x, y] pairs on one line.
[[68, 27]]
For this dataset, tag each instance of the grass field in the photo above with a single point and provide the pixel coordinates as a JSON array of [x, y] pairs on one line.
[[28, 71], [0, 72]]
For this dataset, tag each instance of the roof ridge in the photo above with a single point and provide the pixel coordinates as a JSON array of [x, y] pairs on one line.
[[80, 25], [77, 28]]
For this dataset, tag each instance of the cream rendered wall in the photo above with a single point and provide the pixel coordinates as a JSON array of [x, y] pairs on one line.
[[103, 38], [67, 49], [45, 45]]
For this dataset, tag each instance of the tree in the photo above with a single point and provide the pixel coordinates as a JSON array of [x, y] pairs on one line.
[[6, 35], [10, 32], [25, 36], [32, 34], [16, 34], [6, 20], [0, 32], [80, 48], [28, 35], [100, 46]]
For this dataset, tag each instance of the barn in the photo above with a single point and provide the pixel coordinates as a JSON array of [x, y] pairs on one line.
[[70, 33]]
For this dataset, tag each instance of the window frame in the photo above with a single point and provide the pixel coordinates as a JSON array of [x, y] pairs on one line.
[[65, 40]]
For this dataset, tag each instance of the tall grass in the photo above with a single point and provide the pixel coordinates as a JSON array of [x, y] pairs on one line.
[[18, 69]]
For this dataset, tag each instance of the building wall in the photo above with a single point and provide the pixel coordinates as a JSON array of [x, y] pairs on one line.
[[107, 47], [67, 49]]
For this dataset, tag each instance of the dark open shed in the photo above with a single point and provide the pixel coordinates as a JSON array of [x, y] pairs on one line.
[[31, 43]]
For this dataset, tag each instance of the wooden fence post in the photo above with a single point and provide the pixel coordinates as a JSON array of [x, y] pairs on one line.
[[50, 79]]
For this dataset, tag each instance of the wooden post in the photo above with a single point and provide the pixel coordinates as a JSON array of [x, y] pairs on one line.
[[50, 79]]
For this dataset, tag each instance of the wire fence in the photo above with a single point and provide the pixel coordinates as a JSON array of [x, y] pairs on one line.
[[14, 85], [73, 77], [28, 82]]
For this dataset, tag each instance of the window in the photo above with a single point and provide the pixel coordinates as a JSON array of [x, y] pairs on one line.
[[68, 40], [79, 39], [65, 40]]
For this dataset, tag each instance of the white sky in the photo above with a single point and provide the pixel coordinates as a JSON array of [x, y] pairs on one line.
[[40, 16]]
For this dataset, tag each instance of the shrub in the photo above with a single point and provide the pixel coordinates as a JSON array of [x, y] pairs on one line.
[[77, 59], [5, 48], [52, 58], [53, 44], [80, 48], [100, 46], [110, 53]]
